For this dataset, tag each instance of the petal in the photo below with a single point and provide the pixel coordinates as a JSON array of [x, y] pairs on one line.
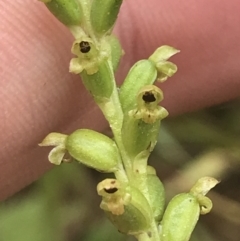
[[165, 69], [56, 155]]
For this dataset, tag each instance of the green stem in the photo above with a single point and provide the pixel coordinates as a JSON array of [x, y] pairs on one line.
[[112, 111], [120, 174]]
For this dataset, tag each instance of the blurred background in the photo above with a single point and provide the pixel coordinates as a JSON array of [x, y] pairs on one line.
[[63, 205]]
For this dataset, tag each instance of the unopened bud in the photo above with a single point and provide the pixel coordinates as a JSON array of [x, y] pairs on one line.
[[93, 149], [69, 12], [104, 14]]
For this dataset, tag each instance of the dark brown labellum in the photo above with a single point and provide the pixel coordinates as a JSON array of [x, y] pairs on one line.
[[111, 190], [84, 47], [149, 97]]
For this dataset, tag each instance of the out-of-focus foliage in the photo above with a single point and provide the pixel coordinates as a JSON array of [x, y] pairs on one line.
[[63, 205]]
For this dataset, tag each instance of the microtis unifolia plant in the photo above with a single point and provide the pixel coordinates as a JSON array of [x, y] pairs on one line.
[[134, 201]]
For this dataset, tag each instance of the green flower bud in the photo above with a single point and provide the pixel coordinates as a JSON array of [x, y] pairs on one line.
[[125, 206], [141, 126], [159, 58], [69, 12], [156, 194], [142, 73], [100, 84], [116, 51], [104, 14], [180, 218], [93, 149]]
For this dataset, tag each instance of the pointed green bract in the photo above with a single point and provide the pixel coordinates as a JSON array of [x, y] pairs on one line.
[[69, 12], [104, 15]]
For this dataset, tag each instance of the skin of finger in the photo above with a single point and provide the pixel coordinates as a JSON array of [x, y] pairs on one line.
[[38, 95]]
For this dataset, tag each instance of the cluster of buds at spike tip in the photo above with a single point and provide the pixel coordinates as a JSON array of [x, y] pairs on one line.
[[182, 212], [125, 206], [141, 125], [88, 147]]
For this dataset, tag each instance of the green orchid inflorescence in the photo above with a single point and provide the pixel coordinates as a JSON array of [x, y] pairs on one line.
[[134, 201]]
